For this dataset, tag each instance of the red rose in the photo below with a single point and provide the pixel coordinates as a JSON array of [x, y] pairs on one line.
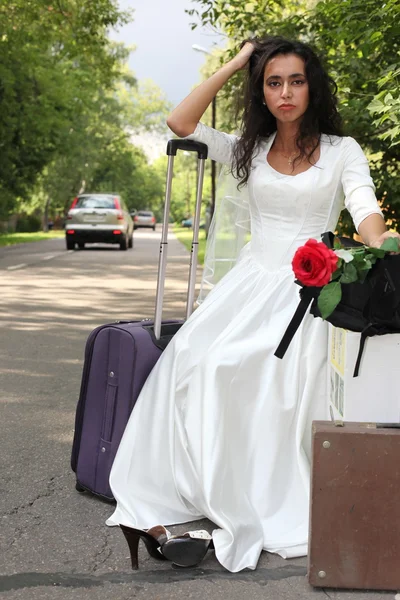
[[314, 263]]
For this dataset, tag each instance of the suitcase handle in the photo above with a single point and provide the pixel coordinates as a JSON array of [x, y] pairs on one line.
[[202, 152], [189, 145]]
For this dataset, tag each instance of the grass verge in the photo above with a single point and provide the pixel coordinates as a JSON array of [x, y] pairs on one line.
[[9, 239], [185, 236]]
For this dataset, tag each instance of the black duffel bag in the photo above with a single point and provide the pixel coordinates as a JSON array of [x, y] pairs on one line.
[[371, 308]]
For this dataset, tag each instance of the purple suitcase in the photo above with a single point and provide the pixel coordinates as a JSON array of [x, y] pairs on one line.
[[120, 356]]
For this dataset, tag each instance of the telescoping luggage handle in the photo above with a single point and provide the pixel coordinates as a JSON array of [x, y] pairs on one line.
[[202, 152]]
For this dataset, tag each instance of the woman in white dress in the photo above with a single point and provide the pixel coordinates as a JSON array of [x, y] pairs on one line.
[[222, 428]]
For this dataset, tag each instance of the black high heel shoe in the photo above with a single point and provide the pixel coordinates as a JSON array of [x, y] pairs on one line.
[[189, 549], [153, 539]]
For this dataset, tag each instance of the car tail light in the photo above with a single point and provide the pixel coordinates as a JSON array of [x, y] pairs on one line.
[[70, 231], [136, 219], [117, 204], [75, 200], [120, 216], [153, 220], [116, 231]]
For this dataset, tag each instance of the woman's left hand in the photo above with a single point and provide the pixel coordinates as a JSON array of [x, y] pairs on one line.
[[377, 243]]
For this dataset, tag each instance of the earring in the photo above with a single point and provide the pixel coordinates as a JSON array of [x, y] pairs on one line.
[[264, 103]]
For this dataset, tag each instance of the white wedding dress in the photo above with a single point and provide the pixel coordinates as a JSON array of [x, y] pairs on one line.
[[222, 428]]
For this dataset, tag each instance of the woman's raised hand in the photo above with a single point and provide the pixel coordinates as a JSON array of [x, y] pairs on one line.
[[242, 57], [184, 118]]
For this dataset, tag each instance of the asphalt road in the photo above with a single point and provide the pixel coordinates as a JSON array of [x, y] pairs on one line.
[[54, 543]]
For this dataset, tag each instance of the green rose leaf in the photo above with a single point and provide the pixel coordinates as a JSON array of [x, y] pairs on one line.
[[336, 274], [365, 265], [349, 274], [378, 252], [329, 298], [391, 244], [370, 257]]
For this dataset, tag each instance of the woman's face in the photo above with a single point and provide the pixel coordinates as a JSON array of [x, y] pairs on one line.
[[286, 91]]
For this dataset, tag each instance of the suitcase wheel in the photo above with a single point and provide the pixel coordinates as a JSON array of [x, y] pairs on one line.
[[79, 488]]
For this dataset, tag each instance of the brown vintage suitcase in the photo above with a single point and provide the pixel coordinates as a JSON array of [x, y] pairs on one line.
[[354, 537]]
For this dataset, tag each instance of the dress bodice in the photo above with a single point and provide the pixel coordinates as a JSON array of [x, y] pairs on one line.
[[287, 210]]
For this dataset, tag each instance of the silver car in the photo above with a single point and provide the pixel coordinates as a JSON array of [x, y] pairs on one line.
[[98, 218], [144, 218]]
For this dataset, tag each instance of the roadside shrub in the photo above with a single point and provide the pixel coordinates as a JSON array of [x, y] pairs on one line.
[[28, 224]]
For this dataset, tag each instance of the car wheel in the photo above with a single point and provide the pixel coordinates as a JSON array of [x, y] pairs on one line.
[[154, 228], [70, 244], [81, 245], [124, 244], [130, 242]]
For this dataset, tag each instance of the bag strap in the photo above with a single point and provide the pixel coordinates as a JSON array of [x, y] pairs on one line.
[[328, 238], [307, 294], [369, 331]]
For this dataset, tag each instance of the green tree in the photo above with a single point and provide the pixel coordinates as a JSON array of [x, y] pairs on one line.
[[53, 57], [68, 105], [145, 107], [98, 156], [360, 43]]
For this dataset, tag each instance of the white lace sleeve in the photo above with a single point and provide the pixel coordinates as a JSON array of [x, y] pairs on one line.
[[220, 145], [358, 187]]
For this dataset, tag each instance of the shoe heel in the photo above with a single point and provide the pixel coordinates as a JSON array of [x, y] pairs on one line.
[[132, 537]]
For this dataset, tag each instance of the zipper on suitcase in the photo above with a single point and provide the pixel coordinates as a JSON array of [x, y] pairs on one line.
[[109, 410], [82, 394], [106, 451]]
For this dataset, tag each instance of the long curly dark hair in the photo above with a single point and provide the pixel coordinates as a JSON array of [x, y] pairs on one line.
[[258, 122]]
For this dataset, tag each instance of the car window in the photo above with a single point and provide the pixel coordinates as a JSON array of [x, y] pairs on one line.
[[95, 202], [145, 213]]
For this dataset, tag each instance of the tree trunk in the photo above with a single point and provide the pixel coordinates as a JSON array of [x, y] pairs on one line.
[[46, 215]]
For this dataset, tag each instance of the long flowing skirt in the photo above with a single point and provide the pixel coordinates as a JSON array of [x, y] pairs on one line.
[[222, 428]]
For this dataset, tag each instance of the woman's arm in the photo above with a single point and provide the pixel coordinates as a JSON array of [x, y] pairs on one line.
[[184, 118], [374, 232], [360, 197]]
